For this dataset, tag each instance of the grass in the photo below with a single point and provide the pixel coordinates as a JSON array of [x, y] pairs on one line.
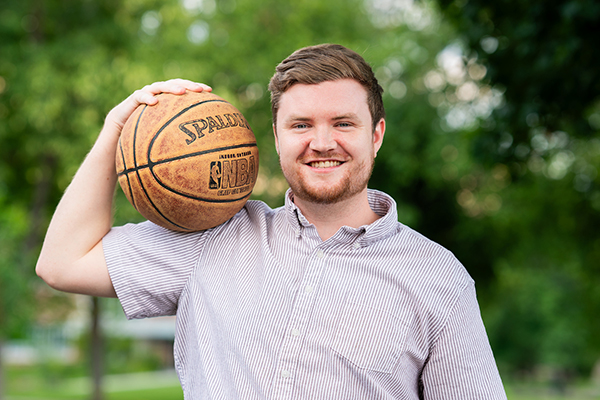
[[529, 391], [175, 393], [30, 384], [172, 393]]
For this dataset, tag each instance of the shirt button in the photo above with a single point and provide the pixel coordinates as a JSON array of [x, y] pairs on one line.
[[285, 373], [295, 332], [320, 254], [356, 245], [308, 289]]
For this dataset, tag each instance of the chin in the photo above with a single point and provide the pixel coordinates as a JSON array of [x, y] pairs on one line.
[[324, 194], [327, 192]]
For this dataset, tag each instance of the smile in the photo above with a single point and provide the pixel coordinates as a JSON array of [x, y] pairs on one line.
[[324, 164]]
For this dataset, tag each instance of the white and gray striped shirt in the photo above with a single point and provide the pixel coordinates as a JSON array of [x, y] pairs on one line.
[[267, 310]]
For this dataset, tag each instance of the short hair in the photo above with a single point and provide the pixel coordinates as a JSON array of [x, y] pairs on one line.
[[322, 63]]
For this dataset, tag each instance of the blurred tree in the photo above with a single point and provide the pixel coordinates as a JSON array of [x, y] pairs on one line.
[[14, 312], [544, 53], [543, 139]]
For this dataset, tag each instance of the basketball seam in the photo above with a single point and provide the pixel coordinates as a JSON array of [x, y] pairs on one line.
[[197, 153], [140, 178], [126, 175]]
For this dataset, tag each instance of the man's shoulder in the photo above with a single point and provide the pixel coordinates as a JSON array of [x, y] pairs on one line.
[[257, 210], [256, 215], [259, 206], [417, 253]]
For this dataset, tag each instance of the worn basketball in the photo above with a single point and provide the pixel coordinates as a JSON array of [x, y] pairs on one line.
[[188, 163]]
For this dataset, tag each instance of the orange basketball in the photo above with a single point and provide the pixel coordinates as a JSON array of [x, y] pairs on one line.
[[188, 163]]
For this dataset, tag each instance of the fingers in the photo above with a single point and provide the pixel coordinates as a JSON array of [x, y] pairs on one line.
[[143, 96], [147, 95], [173, 86]]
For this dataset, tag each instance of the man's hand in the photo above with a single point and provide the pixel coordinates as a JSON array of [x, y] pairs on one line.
[[117, 117]]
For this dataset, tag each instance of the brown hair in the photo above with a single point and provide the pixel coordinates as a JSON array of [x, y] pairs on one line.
[[322, 63]]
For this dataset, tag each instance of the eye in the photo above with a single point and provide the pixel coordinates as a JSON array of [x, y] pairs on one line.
[[300, 126]]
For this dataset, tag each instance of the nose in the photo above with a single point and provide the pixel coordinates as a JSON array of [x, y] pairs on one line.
[[323, 140]]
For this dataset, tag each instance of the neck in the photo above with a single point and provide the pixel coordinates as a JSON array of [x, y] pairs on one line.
[[329, 218]]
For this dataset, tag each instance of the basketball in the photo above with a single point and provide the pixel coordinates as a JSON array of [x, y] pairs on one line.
[[188, 163]]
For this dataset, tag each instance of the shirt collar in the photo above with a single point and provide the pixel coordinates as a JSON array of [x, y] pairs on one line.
[[381, 203]]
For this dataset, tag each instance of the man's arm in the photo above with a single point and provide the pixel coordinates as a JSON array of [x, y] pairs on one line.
[[461, 365], [72, 259]]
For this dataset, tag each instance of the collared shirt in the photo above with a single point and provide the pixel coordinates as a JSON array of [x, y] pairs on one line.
[[267, 310]]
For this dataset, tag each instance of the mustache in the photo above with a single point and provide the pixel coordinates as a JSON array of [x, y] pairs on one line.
[[334, 155]]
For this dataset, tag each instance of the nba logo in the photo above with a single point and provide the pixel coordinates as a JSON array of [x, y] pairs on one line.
[[215, 175]]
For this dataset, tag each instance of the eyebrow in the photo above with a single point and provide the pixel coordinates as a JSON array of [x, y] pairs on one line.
[[346, 116], [352, 116], [297, 118]]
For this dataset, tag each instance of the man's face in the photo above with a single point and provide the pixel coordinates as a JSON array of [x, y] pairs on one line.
[[325, 140]]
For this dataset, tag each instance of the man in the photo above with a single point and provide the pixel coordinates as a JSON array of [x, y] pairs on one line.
[[327, 297]]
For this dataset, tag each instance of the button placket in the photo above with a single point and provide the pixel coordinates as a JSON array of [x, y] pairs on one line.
[[299, 320]]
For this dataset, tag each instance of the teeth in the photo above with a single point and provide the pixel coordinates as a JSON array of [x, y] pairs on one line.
[[324, 164]]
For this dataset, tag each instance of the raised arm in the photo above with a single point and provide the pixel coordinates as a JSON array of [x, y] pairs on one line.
[[72, 259]]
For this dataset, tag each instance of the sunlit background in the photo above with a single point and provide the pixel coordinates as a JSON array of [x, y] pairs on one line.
[[492, 149]]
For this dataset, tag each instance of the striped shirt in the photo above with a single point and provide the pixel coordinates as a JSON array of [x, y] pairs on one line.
[[267, 310]]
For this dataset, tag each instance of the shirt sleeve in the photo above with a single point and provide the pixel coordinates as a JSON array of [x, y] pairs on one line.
[[461, 365], [149, 266]]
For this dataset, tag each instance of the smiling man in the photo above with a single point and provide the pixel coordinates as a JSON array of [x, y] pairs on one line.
[[327, 297]]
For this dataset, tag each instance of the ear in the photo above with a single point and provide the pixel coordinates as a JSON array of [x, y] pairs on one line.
[[276, 139], [378, 136]]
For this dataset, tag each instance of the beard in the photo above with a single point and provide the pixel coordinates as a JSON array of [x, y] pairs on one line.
[[353, 182]]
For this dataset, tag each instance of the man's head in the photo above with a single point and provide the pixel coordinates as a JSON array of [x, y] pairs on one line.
[[326, 62], [328, 121]]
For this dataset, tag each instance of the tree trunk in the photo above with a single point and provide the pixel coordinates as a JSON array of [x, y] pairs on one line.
[[39, 204], [96, 345], [2, 385]]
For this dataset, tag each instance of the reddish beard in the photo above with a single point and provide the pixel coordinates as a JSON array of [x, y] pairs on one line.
[[353, 182]]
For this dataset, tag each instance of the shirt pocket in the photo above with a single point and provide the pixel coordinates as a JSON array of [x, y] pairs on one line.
[[370, 338]]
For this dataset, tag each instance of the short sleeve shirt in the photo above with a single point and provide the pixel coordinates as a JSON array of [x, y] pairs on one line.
[[267, 310]]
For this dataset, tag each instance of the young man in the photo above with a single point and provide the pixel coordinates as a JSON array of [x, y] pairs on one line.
[[326, 297]]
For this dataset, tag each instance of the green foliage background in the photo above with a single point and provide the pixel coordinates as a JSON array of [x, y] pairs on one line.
[[492, 145]]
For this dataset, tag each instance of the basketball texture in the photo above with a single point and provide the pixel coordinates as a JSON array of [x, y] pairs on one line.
[[188, 163]]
